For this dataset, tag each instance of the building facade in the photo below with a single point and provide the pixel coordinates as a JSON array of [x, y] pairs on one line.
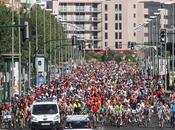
[[4, 1], [120, 18], [83, 18], [110, 24]]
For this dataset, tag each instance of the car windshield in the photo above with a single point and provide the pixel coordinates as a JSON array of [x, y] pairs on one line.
[[77, 125], [45, 109]]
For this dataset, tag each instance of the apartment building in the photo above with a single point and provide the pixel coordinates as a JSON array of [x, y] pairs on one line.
[[83, 18], [102, 23], [111, 24], [120, 18]]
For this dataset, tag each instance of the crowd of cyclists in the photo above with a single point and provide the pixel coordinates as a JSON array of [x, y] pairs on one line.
[[115, 94]]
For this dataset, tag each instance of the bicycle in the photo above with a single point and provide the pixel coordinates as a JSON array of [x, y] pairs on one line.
[[160, 120], [7, 121]]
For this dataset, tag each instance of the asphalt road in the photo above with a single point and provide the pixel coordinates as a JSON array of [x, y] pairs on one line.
[[122, 128], [152, 126]]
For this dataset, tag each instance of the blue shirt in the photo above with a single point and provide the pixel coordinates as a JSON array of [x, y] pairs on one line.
[[172, 107]]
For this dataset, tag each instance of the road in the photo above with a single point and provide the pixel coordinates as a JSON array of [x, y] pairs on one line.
[[123, 128], [152, 126]]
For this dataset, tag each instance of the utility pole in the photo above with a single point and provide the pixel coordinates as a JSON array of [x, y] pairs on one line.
[[19, 51], [29, 71], [13, 41]]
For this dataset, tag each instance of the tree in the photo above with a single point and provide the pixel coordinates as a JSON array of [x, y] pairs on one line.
[[5, 33], [117, 57]]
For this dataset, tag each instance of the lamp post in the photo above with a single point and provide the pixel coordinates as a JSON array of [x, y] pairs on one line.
[[173, 40], [149, 40], [50, 49], [157, 38], [152, 43], [138, 28], [13, 41], [19, 50]]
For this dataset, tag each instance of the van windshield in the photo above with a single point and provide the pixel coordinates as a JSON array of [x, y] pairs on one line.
[[45, 109], [77, 125]]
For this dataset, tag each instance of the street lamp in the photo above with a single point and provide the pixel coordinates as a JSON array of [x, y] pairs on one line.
[[149, 22], [157, 14], [153, 40]]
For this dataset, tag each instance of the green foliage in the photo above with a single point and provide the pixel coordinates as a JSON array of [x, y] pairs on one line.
[[129, 57], [98, 57], [112, 56], [5, 34], [117, 58], [51, 26]]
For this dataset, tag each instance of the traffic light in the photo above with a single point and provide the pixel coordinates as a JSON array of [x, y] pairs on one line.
[[74, 40], [132, 45], [162, 37], [26, 34]]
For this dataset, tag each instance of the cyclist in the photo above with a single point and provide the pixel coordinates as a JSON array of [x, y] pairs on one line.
[[102, 111], [85, 110], [160, 112], [146, 113], [172, 106], [119, 112], [77, 107]]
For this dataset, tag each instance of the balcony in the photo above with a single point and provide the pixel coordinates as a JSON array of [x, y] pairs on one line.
[[79, 10], [95, 38], [95, 29], [95, 10], [95, 19], [62, 10]]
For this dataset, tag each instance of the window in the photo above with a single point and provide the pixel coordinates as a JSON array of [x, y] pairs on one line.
[[120, 16], [120, 35], [45, 109], [134, 6], [116, 16], [89, 46], [129, 44], [134, 15], [64, 16], [80, 16], [116, 45], [146, 16], [106, 35], [116, 35], [80, 25], [106, 17], [106, 26], [106, 7], [120, 44], [134, 24], [80, 7], [120, 7], [95, 44], [120, 26], [116, 26], [106, 44], [116, 7], [65, 26], [134, 34]]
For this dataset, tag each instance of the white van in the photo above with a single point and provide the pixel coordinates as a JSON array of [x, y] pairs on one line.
[[45, 114], [78, 122]]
